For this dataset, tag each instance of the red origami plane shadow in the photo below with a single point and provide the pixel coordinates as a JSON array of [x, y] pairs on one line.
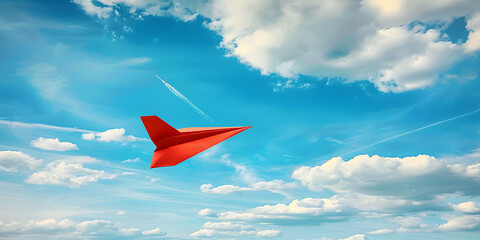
[[177, 145]]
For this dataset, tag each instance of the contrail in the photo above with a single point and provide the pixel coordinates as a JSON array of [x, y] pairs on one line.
[[185, 99], [44, 126], [412, 131]]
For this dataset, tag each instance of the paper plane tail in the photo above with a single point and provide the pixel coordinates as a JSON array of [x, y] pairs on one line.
[[158, 129]]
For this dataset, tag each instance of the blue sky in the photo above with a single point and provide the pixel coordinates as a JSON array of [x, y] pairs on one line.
[[365, 119]]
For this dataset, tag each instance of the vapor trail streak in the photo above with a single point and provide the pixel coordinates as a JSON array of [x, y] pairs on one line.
[[412, 131], [43, 126], [185, 99]]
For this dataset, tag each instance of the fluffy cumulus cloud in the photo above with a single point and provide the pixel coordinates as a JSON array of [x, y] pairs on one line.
[[69, 229], [207, 212], [411, 224], [469, 207], [269, 233], [356, 237], [276, 186], [397, 45], [13, 161], [422, 177], [230, 229], [452, 223], [68, 173], [111, 135], [460, 223], [400, 190], [297, 212], [53, 144]]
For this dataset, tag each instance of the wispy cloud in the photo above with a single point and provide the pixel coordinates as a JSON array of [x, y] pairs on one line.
[[52, 85], [133, 160], [132, 62], [275, 186], [16, 124], [412, 131], [111, 135]]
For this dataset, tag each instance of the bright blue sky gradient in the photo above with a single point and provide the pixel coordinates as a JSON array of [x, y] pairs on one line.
[[62, 66]]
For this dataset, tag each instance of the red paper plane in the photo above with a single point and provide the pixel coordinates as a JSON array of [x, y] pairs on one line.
[[177, 145]]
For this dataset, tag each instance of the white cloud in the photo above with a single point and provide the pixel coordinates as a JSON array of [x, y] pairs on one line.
[[303, 211], [53, 144], [469, 207], [224, 189], [276, 186], [381, 231], [368, 187], [411, 224], [88, 136], [269, 233], [204, 233], [273, 186], [112, 135], [423, 177], [121, 213], [129, 232], [69, 229], [386, 43], [134, 160], [473, 24], [308, 37], [226, 226], [386, 204], [460, 223], [154, 232], [81, 159], [207, 212], [356, 237], [12, 161], [139, 8], [47, 226], [115, 135], [66, 173], [218, 233], [217, 229], [92, 9]]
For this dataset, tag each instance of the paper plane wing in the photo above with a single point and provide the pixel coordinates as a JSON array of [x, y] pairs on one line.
[[177, 145], [193, 141]]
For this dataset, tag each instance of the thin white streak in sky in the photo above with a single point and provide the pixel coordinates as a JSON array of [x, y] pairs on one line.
[[185, 99], [43, 126], [412, 131]]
